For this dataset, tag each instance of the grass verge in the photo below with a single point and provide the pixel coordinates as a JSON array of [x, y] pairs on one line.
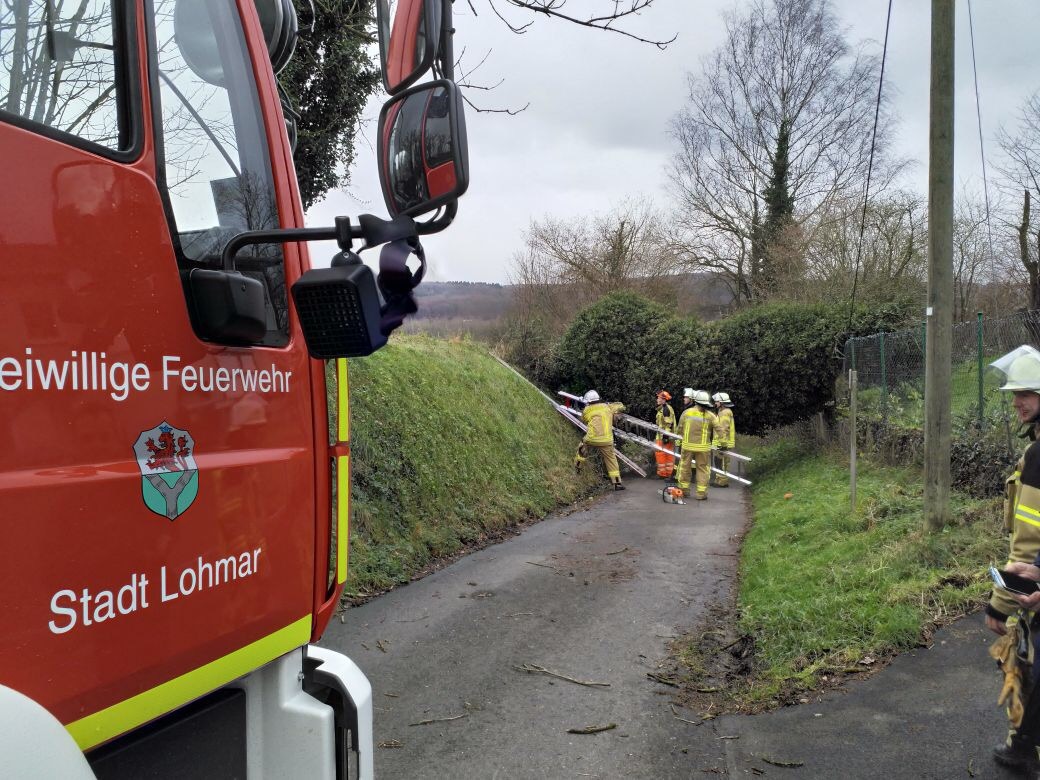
[[449, 450], [828, 592]]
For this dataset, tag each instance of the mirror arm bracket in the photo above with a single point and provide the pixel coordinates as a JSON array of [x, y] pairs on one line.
[[343, 234]]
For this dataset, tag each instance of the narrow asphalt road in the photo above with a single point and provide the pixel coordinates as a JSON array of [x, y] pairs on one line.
[[596, 595]]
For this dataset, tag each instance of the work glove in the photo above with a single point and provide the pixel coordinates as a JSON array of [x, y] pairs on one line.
[[1005, 651]]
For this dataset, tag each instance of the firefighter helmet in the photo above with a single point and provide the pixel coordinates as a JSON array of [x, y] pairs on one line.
[[702, 397], [664, 395], [723, 398], [1020, 369], [590, 397], [688, 392]]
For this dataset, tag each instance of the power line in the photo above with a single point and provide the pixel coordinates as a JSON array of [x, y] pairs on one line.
[[982, 148], [870, 167]]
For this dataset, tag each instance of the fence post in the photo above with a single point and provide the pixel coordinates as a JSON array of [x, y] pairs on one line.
[[884, 381], [981, 399], [852, 351], [852, 437]]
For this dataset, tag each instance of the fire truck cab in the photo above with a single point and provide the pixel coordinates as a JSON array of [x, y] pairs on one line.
[[175, 468]]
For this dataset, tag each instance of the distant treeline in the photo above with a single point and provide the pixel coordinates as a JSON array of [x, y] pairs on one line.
[[475, 305]]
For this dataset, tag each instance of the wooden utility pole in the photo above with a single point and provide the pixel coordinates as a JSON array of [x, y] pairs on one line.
[[939, 312]]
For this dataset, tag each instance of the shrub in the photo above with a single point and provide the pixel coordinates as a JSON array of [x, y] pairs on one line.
[[779, 362], [608, 346]]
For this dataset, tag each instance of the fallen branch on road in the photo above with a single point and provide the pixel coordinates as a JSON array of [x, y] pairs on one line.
[[685, 720], [438, 720], [789, 764], [662, 680], [593, 729], [535, 669], [543, 565]]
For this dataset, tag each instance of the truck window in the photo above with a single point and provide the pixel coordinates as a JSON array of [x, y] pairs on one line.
[[213, 147], [62, 70]]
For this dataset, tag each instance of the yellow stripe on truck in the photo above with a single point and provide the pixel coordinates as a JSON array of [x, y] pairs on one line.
[[342, 516], [344, 400], [343, 474], [131, 713]]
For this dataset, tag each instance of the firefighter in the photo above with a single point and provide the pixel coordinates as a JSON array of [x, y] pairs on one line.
[[665, 421], [599, 417], [1004, 617], [727, 435], [697, 424]]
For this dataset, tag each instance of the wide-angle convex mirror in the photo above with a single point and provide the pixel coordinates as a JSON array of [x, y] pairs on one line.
[[194, 33], [409, 40], [423, 160]]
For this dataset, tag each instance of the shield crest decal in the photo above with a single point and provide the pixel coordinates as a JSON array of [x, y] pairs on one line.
[[169, 473]]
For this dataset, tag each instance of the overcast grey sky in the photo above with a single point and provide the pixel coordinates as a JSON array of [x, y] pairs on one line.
[[596, 130]]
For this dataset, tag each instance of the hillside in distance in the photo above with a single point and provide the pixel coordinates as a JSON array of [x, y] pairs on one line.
[[446, 307]]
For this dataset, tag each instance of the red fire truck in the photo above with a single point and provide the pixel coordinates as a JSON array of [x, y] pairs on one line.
[[174, 484]]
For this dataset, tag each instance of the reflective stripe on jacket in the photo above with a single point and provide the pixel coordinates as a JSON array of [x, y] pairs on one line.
[[1023, 511], [666, 418], [727, 436], [599, 417], [696, 425]]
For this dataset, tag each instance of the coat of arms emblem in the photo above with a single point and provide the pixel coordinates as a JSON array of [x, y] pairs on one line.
[[169, 473]]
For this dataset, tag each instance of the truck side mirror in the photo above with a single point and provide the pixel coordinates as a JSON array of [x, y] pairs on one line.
[[281, 30], [409, 37], [229, 306], [195, 36], [423, 159]]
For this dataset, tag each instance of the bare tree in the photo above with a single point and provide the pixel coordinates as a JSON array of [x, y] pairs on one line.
[[567, 265], [885, 264], [1021, 170], [607, 15], [783, 105], [971, 256], [58, 66]]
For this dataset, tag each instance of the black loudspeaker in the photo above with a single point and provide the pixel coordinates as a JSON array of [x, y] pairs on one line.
[[339, 310]]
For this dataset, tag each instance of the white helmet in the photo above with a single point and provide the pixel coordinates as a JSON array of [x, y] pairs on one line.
[[702, 397], [590, 397], [723, 398], [717, 398], [1020, 368], [688, 392]]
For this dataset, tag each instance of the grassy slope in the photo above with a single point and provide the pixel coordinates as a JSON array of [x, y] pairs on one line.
[[448, 447], [823, 587]]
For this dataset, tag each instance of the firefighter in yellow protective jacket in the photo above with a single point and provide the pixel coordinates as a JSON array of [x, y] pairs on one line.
[[727, 438], [697, 425], [666, 422], [1004, 614], [599, 417]]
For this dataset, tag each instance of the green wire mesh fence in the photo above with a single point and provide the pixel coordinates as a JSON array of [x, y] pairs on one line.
[[890, 369]]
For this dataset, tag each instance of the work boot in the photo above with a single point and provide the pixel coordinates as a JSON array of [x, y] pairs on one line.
[[1019, 755], [618, 486], [702, 496]]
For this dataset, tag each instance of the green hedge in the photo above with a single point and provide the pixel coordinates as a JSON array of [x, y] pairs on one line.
[[778, 362]]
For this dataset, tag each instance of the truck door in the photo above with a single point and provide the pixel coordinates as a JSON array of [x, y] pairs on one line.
[[157, 491]]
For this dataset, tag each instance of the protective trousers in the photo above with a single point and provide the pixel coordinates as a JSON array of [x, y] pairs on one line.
[[702, 461], [665, 460], [684, 471], [723, 460], [1028, 731], [606, 451]]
